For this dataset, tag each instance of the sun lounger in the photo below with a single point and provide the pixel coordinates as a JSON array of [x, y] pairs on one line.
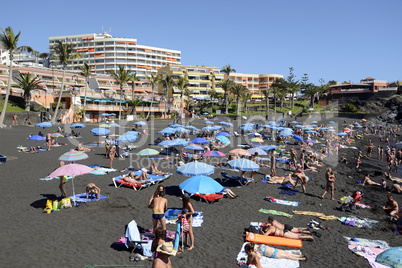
[[225, 177], [118, 182], [210, 198]]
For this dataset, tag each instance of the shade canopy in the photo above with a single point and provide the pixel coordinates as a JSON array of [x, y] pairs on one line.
[[44, 124], [243, 164], [201, 185], [195, 169]]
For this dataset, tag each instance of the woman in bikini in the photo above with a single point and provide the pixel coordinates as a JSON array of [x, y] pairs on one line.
[[92, 189], [159, 238], [369, 181], [281, 180], [269, 229], [330, 183], [189, 215], [132, 178], [303, 179], [255, 252]]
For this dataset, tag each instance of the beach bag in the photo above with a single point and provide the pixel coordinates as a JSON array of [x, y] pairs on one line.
[[184, 224], [56, 205], [66, 203]]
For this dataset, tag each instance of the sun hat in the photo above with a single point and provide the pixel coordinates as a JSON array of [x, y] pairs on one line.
[[166, 248]]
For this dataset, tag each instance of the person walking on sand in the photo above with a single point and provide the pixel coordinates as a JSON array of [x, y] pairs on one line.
[[63, 181], [15, 120], [158, 204], [330, 183], [273, 163], [48, 140]]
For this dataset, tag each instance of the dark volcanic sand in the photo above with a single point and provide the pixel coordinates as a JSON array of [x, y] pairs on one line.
[[86, 234]]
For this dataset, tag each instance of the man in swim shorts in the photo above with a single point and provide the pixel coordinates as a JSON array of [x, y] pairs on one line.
[[287, 227], [159, 206]]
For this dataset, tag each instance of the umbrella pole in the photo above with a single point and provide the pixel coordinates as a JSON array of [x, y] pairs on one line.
[[72, 181]]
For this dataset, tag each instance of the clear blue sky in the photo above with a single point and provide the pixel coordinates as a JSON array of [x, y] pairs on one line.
[[335, 40]]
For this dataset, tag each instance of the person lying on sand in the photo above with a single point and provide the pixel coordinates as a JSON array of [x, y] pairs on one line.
[[269, 229], [31, 149], [281, 180], [396, 188], [287, 227], [255, 252], [369, 181], [82, 149]]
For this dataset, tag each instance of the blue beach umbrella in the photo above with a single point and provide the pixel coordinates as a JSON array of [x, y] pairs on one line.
[[114, 125], [36, 138], [127, 137], [225, 134], [208, 128], [209, 123], [254, 134], [205, 113], [100, 131], [140, 123], [195, 169], [166, 143], [223, 123], [331, 122], [191, 127], [298, 138], [167, 130], [299, 126], [175, 125], [201, 185], [44, 124], [294, 122], [216, 127], [391, 257], [106, 114], [312, 131], [181, 130], [180, 142], [199, 141], [243, 164], [194, 147], [314, 122], [285, 133], [77, 125], [257, 150], [270, 147], [223, 139]]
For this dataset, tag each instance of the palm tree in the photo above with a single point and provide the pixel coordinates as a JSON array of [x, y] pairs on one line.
[[226, 85], [281, 94], [28, 82], [266, 93], [227, 69], [238, 90], [188, 103], [9, 41], [277, 87], [133, 79], [167, 82], [134, 103], [246, 97], [64, 54], [122, 76], [86, 72], [187, 93], [182, 85], [311, 90], [153, 80]]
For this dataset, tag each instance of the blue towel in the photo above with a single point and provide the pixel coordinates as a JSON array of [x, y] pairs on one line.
[[132, 233], [82, 198], [286, 190]]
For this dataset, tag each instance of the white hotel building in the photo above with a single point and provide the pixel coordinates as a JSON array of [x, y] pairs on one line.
[[104, 52]]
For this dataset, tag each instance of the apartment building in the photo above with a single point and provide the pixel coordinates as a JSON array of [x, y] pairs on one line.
[[255, 82], [103, 53]]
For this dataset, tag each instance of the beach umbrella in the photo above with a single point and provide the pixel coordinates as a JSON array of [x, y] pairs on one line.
[[127, 137], [73, 156], [205, 113], [44, 124], [341, 134], [294, 122], [271, 123], [225, 134], [194, 147], [195, 169], [285, 133], [166, 143], [331, 122], [391, 257], [201, 185], [346, 130], [36, 138], [71, 170], [167, 130], [208, 128], [257, 140], [299, 126], [57, 135], [257, 150], [104, 125], [312, 131], [180, 142], [181, 129], [106, 114], [254, 134], [244, 164], [148, 152], [270, 147], [309, 141], [213, 153], [77, 125], [239, 152], [140, 123], [222, 139], [225, 124], [364, 120], [114, 125], [200, 141], [209, 123], [100, 131], [298, 138], [216, 127], [191, 127], [175, 125]]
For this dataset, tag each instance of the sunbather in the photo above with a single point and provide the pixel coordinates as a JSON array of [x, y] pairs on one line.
[[287, 227], [255, 252], [396, 188], [132, 178], [281, 180], [31, 149], [153, 169], [82, 149], [269, 229], [369, 181]]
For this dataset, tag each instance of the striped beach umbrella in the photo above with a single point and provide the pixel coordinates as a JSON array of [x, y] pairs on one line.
[[73, 156], [148, 152], [239, 152]]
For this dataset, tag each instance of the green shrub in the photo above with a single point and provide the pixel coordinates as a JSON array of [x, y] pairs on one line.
[[351, 108]]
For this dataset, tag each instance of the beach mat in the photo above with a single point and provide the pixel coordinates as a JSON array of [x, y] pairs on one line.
[[82, 198], [275, 212], [281, 202], [369, 253], [367, 242]]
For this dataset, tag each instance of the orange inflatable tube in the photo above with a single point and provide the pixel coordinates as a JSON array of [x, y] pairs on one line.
[[273, 240]]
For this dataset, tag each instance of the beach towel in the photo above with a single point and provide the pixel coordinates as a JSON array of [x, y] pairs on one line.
[[172, 217], [281, 202], [51, 178], [274, 212], [82, 198], [288, 191], [369, 253], [268, 262], [367, 242], [363, 205], [322, 216], [359, 222], [132, 234]]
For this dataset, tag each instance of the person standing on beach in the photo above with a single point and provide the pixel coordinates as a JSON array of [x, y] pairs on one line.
[[158, 204], [15, 120], [48, 140], [330, 183], [273, 163], [189, 215], [63, 181], [164, 250]]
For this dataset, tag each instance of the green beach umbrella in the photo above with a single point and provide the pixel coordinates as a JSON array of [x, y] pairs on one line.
[[148, 152]]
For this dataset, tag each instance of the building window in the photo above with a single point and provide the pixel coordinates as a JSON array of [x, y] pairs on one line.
[[109, 43]]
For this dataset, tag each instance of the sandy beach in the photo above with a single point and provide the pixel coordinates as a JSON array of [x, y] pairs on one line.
[[84, 235]]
